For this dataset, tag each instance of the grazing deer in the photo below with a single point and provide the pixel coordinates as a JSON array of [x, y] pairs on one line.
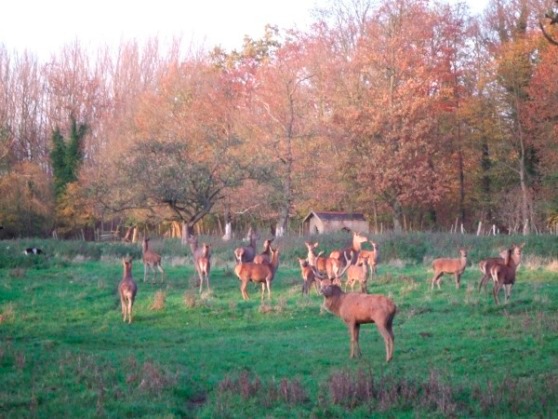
[[503, 274], [260, 273], [355, 248], [309, 275], [151, 260], [449, 266], [486, 264], [358, 273], [356, 309], [127, 290], [247, 253], [265, 256], [202, 260]]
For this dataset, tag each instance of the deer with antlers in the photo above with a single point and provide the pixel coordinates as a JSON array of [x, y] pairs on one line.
[[372, 257], [151, 261], [353, 249], [450, 266], [259, 273], [127, 289], [202, 260], [356, 309], [358, 273], [309, 276], [333, 268]]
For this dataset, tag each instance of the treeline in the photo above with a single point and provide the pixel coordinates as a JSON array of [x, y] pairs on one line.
[[422, 116]]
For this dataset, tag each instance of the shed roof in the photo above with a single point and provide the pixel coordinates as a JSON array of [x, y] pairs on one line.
[[335, 216]]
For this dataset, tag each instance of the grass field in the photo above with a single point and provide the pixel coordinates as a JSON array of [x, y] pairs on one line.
[[65, 352]]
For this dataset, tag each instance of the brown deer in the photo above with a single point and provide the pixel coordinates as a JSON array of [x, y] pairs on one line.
[[248, 253], [455, 267], [356, 309], [358, 273], [503, 274], [309, 275], [259, 273], [265, 256], [151, 261], [355, 247], [486, 264], [372, 257], [202, 259], [331, 267], [127, 290]]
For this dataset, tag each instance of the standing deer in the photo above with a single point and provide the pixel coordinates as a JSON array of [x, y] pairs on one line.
[[247, 253], [332, 267], [259, 273], [503, 274], [151, 261], [486, 264], [372, 257], [355, 247], [265, 256], [127, 290], [455, 267], [202, 260], [356, 309], [309, 275], [358, 273]]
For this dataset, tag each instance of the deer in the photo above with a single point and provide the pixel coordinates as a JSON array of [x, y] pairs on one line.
[[358, 273], [309, 275], [503, 274], [355, 248], [486, 264], [372, 257], [127, 289], [443, 266], [332, 267], [202, 260], [247, 253], [262, 273], [151, 260], [265, 256], [356, 309]]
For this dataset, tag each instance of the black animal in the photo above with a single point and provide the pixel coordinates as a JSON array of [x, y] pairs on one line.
[[33, 251]]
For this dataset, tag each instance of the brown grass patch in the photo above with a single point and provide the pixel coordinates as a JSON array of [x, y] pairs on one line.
[[159, 301], [190, 300], [18, 273]]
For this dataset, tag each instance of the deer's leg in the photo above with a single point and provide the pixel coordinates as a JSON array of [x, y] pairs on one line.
[[483, 280], [457, 281], [387, 334], [144, 272], [356, 336], [507, 289], [162, 271], [495, 291], [123, 305], [129, 311], [243, 286], [268, 289], [436, 279]]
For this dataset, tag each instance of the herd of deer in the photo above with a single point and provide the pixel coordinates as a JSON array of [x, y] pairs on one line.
[[325, 273]]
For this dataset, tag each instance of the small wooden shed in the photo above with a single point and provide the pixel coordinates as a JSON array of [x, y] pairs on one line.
[[318, 222]]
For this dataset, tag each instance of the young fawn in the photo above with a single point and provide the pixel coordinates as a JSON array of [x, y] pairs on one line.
[[127, 289], [151, 261], [455, 267], [358, 273], [202, 260], [356, 309]]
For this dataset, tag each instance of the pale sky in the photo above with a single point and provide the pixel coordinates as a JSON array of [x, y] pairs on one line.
[[43, 27]]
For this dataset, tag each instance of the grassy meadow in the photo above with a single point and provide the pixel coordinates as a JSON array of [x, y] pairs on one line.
[[65, 352]]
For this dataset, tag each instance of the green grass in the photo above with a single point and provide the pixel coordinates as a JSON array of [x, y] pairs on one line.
[[65, 352]]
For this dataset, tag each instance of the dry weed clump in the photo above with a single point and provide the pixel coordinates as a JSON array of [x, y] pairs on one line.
[[552, 266], [8, 313], [190, 300], [153, 379], [18, 273], [158, 301]]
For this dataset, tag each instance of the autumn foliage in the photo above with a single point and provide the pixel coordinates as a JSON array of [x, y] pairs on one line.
[[418, 115]]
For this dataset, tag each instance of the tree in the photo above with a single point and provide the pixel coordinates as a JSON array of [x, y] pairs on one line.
[[66, 158]]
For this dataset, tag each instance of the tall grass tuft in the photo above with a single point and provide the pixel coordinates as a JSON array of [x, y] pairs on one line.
[[158, 301]]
